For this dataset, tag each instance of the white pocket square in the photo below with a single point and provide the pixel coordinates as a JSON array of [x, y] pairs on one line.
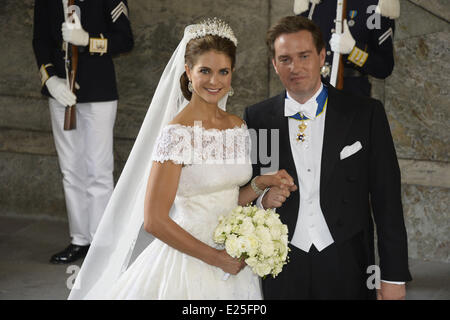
[[350, 150]]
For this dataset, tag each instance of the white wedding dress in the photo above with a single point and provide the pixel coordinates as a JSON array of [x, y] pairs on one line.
[[215, 164]]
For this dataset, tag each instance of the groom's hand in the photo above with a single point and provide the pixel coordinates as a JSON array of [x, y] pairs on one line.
[[275, 197], [391, 291], [280, 179]]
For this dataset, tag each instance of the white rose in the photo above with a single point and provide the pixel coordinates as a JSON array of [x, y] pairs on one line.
[[284, 239], [251, 245], [238, 209], [232, 246], [234, 228], [271, 220], [259, 217], [263, 233], [219, 235], [247, 227], [252, 261], [247, 211], [267, 248], [242, 244], [227, 229], [261, 269], [270, 261], [240, 217], [282, 250], [276, 231]]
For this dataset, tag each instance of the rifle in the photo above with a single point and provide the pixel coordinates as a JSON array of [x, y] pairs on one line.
[[337, 69], [72, 64]]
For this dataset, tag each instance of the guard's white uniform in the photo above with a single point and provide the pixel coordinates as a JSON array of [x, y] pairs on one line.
[[86, 160]]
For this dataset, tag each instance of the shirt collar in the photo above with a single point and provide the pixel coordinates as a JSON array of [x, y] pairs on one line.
[[309, 108]]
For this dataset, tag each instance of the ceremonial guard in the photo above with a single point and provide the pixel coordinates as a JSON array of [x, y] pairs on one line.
[[79, 38], [366, 41]]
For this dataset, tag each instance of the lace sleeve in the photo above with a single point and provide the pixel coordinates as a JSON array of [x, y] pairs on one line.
[[174, 143]]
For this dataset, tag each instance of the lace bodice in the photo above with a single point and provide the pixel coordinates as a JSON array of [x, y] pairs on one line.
[[215, 164], [195, 145], [212, 159]]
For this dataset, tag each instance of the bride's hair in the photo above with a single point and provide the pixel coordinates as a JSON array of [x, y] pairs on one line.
[[199, 46]]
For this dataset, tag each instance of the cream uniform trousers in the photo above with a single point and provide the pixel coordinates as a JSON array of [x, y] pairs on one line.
[[86, 161]]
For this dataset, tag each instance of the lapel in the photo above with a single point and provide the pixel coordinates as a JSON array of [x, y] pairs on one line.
[[288, 211], [338, 118], [286, 159]]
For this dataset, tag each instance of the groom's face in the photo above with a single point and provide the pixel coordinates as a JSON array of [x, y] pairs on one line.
[[298, 64]]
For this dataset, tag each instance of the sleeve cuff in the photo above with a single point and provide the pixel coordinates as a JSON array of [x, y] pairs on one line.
[[259, 200], [46, 71], [358, 56]]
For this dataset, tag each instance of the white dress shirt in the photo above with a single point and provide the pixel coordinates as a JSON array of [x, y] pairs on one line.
[[311, 228]]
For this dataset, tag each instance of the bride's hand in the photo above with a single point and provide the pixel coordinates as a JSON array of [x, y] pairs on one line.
[[229, 264], [280, 179]]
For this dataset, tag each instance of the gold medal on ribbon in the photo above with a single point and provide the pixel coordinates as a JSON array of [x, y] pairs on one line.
[[301, 134]]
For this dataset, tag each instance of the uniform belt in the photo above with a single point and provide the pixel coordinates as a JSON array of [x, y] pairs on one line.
[[349, 72]]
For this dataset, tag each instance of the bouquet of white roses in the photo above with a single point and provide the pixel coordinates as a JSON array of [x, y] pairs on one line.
[[256, 235]]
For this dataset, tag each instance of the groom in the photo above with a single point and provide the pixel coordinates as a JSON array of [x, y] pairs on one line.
[[339, 150]]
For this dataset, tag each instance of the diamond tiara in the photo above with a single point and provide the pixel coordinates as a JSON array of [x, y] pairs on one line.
[[215, 27]]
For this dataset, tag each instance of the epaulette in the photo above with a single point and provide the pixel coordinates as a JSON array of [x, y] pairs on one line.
[[389, 8]]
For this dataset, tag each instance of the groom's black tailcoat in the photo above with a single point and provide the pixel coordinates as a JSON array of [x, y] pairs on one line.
[[352, 191]]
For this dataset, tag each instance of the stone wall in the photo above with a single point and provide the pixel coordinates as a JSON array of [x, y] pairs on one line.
[[416, 98], [417, 101]]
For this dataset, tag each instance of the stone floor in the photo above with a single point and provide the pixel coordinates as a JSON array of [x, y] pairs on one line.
[[25, 273]]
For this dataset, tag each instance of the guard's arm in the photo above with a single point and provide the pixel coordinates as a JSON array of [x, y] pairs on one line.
[[42, 43], [376, 57]]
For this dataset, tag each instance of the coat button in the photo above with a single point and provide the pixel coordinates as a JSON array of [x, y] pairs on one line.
[[345, 201]]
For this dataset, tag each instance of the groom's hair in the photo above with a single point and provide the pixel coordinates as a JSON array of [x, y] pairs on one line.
[[293, 24]]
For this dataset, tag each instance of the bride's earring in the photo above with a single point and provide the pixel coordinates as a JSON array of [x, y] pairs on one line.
[[231, 92], [190, 87]]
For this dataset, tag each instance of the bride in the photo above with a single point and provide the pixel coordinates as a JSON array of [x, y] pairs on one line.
[[197, 172]]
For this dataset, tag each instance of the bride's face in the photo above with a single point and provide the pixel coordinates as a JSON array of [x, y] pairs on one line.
[[211, 76]]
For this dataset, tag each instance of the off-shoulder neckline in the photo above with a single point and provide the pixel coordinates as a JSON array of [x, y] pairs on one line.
[[242, 126]]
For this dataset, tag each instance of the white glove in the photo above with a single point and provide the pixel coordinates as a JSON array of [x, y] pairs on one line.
[[74, 32], [58, 89], [300, 6], [342, 43]]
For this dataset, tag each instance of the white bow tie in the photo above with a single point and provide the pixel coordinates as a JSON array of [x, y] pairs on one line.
[[292, 107]]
